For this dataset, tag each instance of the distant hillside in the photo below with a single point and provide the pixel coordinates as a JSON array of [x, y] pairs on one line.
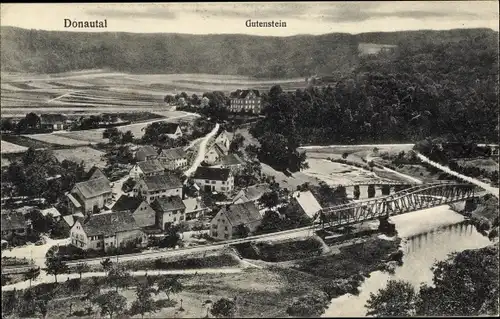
[[271, 57]]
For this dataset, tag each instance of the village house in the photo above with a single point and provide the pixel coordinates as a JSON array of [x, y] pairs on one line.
[[195, 208], [55, 122], [14, 224], [173, 130], [230, 220], [231, 161], [52, 211], [251, 194], [173, 158], [157, 186], [212, 179], [214, 154], [248, 101], [306, 203], [169, 211], [146, 168], [86, 197], [143, 214], [223, 140], [146, 153], [107, 230]]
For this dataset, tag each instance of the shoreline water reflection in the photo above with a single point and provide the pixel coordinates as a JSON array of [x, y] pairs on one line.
[[429, 235]]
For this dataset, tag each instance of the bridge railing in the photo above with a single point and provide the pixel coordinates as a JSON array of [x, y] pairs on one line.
[[398, 195]]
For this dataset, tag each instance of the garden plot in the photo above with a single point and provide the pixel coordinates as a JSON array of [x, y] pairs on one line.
[[59, 139], [88, 155], [86, 136], [8, 148]]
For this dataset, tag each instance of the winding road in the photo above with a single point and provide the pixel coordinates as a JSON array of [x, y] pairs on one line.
[[490, 189], [202, 150]]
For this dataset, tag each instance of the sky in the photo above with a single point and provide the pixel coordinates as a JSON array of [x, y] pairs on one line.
[[227, 17]]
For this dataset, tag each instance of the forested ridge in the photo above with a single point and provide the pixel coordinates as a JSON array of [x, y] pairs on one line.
[[40, 51], [422, 90]]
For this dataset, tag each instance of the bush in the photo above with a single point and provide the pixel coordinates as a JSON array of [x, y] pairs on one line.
[[309, 305]]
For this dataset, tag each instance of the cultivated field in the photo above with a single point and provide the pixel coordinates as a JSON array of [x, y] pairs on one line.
[[94, 91], [12, 148], [88, 155]]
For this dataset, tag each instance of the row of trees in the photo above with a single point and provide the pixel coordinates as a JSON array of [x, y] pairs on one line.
[[110, 302]]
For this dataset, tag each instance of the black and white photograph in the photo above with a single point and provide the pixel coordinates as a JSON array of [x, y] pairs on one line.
[[249, 159]]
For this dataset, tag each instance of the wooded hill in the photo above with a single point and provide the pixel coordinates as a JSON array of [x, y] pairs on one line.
[[39, 51]]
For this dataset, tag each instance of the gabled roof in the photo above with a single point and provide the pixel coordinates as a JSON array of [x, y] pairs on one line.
[[193, 204], [126, 203], [52, 118], [160, 182], [71, 219], [95, 173], [151, 166], [243, 94], [166, 204], [50, 211], [171, 128], [252, 193], [93, 187], [146, 150], [212, 173], [13, 220], [241, 214], [109, 223], [173, 154], [308, 202], [231, 159], [219, 148]]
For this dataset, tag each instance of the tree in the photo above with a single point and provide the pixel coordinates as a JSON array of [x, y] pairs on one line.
[[241, 231], [32, 120], [111, 303], [111, 132], [118, 277], [344, 155], [143, 303], [236, 143], [269, 199], [106, 264], [56, 266], [397, 299], [81, 268], [223, 308], [169, 285], [32, 274], [128, 137], [466, 284]]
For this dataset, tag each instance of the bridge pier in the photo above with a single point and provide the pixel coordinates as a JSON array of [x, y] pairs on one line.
[[386, 227]]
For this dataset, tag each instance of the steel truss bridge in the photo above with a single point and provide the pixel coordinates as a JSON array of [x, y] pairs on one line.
[[408, 200]]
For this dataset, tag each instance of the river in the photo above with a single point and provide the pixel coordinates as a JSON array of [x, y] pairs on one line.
[[428, 235]]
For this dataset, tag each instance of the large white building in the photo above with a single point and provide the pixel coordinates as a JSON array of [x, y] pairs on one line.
[[211, 179], [248, 101]]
